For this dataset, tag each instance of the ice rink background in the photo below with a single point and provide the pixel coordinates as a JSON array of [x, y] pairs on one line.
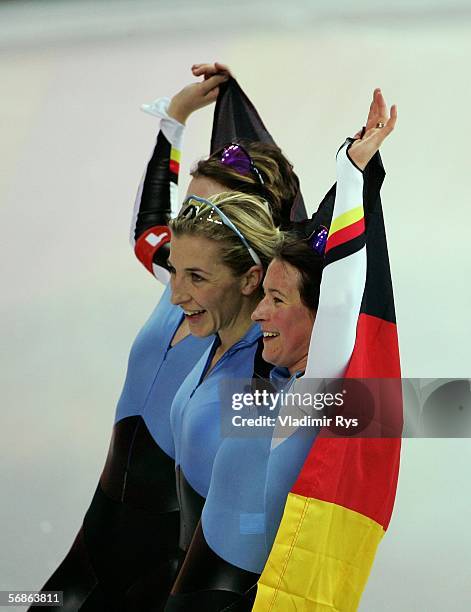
[[74, 145]]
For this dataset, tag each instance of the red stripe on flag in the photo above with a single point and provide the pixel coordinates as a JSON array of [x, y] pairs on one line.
[[345, 234], [174, 166], [361, 473], [376, 351]]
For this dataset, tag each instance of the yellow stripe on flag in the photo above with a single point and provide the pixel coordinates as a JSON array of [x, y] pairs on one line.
[[175, 155], [351, 216], [320, 560]]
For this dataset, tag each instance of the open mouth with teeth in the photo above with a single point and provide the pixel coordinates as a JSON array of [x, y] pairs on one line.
[[193, 315], [268, 335]]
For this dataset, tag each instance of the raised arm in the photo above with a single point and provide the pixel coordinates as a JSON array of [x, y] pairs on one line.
[[157, 197], [341, 503], [344, 275], [343, 278]]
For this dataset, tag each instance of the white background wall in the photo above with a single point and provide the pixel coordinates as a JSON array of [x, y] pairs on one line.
[[73, 148]]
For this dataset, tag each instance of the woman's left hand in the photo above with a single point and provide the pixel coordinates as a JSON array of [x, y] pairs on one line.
[[379, 125], [209, 70]]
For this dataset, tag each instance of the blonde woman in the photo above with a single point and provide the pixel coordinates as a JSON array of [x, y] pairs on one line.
[[127, 552]]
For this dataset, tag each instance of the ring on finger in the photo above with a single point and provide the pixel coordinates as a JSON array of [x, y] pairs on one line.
[[380, 124]]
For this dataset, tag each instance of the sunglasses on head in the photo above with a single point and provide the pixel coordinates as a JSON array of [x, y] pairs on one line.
[[238, 158], [195, 207]]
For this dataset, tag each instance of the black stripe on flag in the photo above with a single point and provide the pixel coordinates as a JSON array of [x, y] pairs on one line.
[[345, 249]]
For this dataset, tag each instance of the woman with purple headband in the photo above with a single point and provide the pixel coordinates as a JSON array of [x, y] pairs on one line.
[[127, 553]]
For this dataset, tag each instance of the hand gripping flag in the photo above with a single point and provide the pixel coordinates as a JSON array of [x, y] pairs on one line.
[[341, 502]]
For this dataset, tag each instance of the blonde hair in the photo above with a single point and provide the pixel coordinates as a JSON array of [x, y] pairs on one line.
[[251, 217]]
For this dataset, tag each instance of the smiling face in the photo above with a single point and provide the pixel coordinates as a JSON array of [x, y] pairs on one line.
[[286, 322], [206, 289]]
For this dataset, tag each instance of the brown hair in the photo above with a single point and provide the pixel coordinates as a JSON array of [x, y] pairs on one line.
[[309, 264], [280, 183]]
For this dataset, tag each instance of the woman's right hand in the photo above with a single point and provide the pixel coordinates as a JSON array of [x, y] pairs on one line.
[[196, 96]]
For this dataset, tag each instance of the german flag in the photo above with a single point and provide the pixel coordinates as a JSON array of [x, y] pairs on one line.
[[341, 503]]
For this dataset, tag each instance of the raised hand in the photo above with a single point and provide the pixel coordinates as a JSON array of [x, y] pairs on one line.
[[208, 70], [379, 125], [195, 96]]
